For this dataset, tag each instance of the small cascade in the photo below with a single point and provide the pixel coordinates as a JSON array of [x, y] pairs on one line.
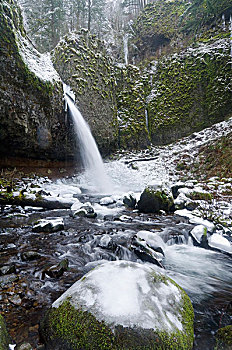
[[147, 121], [125, 47], [90, 154], [231, 36], [223, 22]]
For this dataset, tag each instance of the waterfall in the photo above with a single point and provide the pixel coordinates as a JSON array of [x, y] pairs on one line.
[[90, 154], [231, 36], [147, 121], [223, 22], [125, 46]]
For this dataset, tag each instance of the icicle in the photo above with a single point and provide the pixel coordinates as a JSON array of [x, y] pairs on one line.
[[223, 22]]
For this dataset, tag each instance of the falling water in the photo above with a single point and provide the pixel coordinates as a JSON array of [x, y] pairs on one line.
[[223, 22], [125, 46], [147, 121], [231, 36], [90, 154]]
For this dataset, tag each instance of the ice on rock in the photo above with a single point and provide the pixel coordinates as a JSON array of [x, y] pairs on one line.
[[128, 294], [107, 201], [199, 231]]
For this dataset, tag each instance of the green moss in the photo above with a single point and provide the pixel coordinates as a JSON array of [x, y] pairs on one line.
[[78, 328], [4, 336], [224, 338]]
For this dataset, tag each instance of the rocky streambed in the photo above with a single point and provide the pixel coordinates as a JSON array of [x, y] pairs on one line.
[[54, 232], [44, 251]]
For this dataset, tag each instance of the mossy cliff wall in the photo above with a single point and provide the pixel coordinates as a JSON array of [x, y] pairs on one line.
[[31, 108], [190, 91], [83, 63]]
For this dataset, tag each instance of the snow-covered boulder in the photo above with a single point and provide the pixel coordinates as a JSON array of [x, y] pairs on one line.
[[120, 305], [220, 242], [83, 210]]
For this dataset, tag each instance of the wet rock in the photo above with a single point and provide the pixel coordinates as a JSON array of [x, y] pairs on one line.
[[176, 187], [4, 336], [6, 281], [85, 210], [25, 346], [7, 269], [145, 253], [199, 236], [30, 255], [152, 201], [129, 200], [49, 225], [135, 304], [15, 299], [57, 270]]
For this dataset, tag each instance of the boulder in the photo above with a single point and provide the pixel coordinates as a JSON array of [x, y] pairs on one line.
[[224, 338], [49, 225], [152, 201], [129, 200], [120, 305]]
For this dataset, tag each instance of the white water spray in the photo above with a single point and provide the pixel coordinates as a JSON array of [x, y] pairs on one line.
[[90, 154], [125, 46]]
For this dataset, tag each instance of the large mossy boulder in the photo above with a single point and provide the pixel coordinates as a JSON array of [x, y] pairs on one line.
[[83, 63], [152, 200], [32, 122], [224, 338], [4, 336], [120, 305]]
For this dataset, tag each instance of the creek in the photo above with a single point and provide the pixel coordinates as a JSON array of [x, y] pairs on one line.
[[35, 279]]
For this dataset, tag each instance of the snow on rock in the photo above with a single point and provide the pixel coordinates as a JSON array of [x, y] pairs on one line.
[[152, 239], [220, 242], [198, 232], [38, 63], [49, 225], [128, 294], [107, 201], [196, 220]]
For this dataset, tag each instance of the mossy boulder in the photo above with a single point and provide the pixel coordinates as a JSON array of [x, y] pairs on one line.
[[153, 200], [120, 305], [32, 123], [224, 338], [4, 336]]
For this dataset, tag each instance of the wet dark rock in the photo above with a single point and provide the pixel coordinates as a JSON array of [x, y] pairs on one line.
[[25, 346], [15, 299], [176, 187], [7, 280], [49, 225], [146, 253], [152, 201], [30, 255], [7, 269], [129, 200], [57, 270]]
